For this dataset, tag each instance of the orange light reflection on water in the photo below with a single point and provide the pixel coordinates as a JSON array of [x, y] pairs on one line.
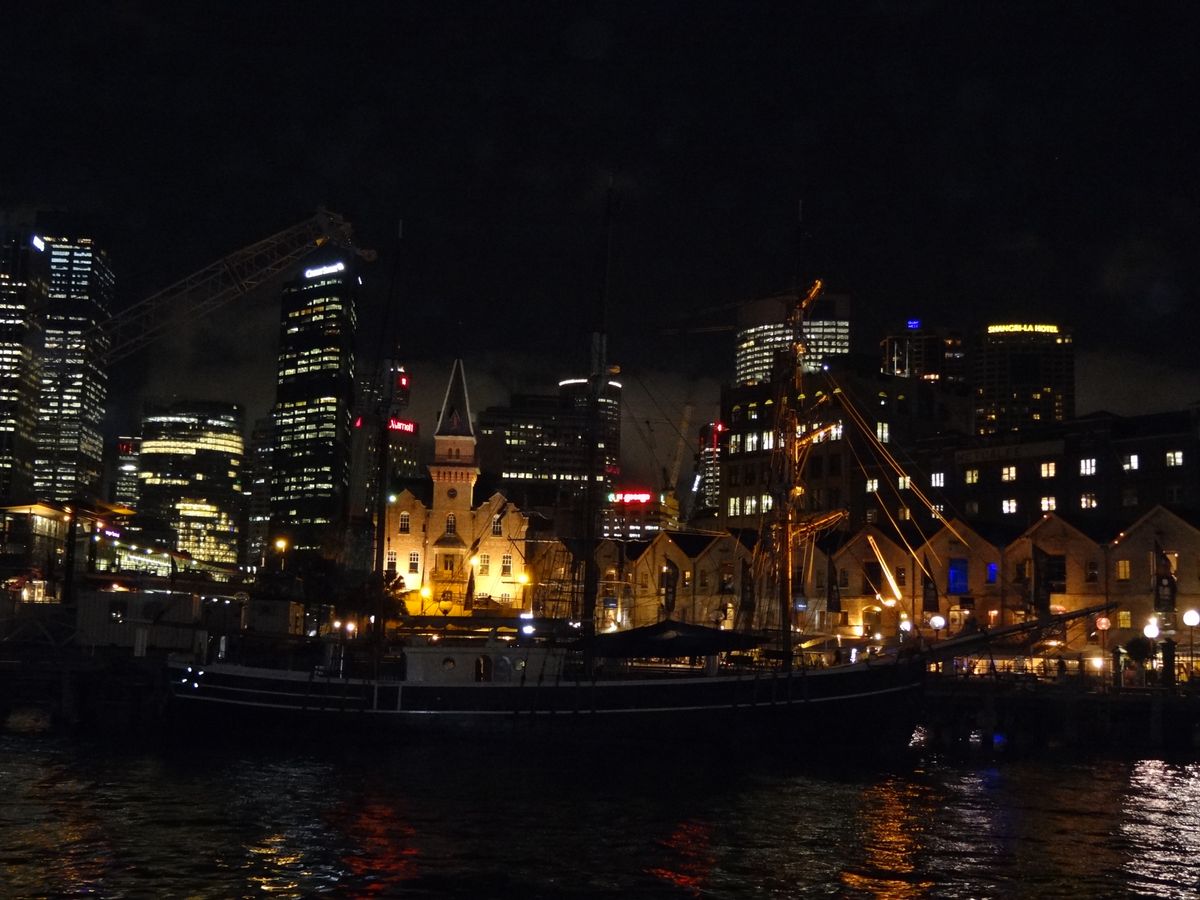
[[892, 822]]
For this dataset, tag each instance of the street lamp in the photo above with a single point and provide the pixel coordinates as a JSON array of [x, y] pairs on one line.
[[937, 623], [281, 546], [1191, 619]]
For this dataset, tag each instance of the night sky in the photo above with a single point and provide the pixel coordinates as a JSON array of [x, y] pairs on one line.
[[958, 162]]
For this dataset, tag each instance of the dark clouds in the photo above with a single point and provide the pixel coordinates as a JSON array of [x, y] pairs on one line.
[[958, 163]]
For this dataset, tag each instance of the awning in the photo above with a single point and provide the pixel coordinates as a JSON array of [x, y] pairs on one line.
[[671, 639]]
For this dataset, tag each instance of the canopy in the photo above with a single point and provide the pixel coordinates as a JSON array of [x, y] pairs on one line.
[[671, 638]]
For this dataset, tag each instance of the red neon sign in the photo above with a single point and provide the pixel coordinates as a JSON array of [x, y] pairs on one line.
[[632, 497], [402, 425]]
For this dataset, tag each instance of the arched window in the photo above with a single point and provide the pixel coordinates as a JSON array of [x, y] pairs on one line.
[[451, 524], [405, 523]]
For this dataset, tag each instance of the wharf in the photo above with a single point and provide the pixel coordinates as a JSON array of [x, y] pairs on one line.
[[66, 687], [1078, 713]]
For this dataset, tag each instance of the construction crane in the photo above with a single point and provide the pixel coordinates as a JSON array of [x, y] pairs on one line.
[[234, 276]]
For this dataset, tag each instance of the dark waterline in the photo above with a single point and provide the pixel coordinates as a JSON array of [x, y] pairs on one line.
[[474, 820]]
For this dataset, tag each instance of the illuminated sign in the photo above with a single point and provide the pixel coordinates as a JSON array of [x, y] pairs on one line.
[[325, 270], [38, 243], [1010, 329], [402, 425], [631, 497], [914, 324]]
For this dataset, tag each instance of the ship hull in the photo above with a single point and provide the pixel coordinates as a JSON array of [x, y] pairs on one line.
[[844, 704]]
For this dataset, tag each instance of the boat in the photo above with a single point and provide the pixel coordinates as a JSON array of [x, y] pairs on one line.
[[671, 678]]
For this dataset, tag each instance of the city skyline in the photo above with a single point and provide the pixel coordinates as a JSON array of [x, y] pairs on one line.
[[1026, 163]]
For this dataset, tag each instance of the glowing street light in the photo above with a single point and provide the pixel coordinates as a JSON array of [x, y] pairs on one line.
[[1191, 619]]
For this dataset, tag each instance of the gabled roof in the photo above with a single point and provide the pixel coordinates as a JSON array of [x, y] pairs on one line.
[[1095, 531], [455, 418], [1159, 510], [692, 543]]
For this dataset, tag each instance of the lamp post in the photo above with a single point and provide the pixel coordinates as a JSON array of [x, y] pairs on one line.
[[1151, 632], [1191, 619], [937, 623], [281, 546]]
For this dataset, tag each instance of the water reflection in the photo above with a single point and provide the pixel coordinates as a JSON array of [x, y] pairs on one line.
[[1160, 822], [204, 823], [891, 822]]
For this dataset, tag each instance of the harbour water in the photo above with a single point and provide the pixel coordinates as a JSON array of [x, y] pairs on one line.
[[118, 820]]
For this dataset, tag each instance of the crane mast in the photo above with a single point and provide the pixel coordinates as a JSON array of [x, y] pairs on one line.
[[205, 291]]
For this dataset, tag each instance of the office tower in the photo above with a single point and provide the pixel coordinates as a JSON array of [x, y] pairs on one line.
[[764, 334], [68, 462], [1024, 377], [543, 446], [23, 293], [125, 490], [257, 488], [314, 391], [929, 354], [189, 470], [708, 467]]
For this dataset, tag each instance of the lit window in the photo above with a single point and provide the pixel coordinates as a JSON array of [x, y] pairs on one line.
[[1174, 458], [1125, 618], [956, 576], [1008, 473], [451, 524], [971, 476], [497, 525], [1049, 504], [903, 482], [506, 566], [1087, 466], [752, 442], [735, 506], [1049, 469], [872, 485], [768, 440], [735, 443], [904, 513], [1122, 570], [404, 523], [883, 432], [414, 562], [1087, 501], [485, 563], [937, 479], [767, 503], [993, 570], [1129, 462], [1008, 506]]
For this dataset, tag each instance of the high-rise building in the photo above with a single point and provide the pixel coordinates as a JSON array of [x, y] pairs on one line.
[[257, 488], [1024, 377], [925, 353], [125, 488], [708, 467], [544, 446], [189, 469], [765, 334], [313, 413], [74, 382], [23, 293]]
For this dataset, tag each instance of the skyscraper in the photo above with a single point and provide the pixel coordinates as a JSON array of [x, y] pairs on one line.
[[23, 293], [314, 392], [189, 469], [74, 382], [1024, 376], [764, 333]]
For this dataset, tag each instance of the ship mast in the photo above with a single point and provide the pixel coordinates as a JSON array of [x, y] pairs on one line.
[[597, 378]]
